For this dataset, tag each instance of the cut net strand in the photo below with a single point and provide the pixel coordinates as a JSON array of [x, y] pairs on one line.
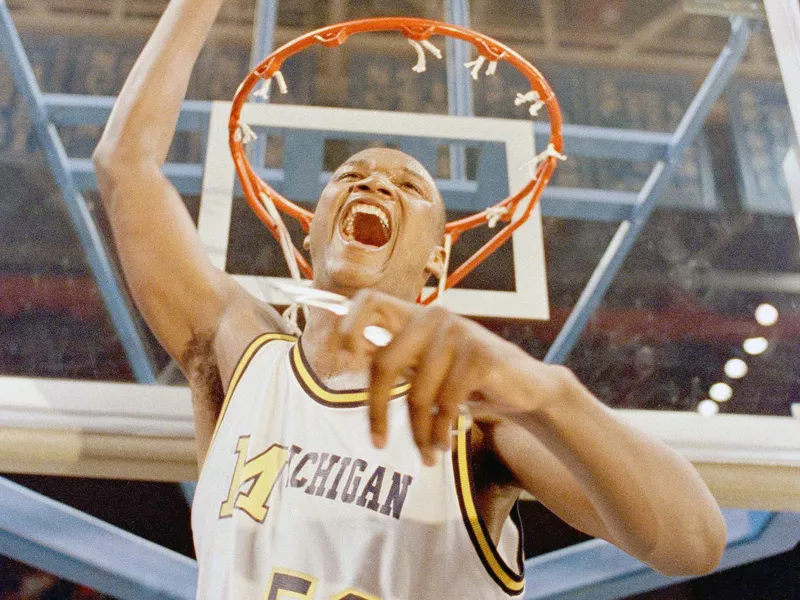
[[549, 152], [476, 65], [420, 47], [285, 240], [266, 88], [448, 247], [494, 214], [532, 98], [245, 134]]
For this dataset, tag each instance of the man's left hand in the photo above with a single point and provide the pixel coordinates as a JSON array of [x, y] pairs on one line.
[[448, 360]]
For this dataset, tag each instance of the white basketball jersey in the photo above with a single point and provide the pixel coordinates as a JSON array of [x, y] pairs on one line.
[[295, 502]]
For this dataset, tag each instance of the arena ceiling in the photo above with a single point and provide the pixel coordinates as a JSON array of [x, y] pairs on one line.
[[653, 35]]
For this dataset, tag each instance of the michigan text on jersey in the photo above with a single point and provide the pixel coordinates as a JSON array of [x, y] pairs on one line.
[[309, 472]]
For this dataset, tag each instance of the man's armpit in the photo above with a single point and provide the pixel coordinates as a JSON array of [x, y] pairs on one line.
[[199, 364]]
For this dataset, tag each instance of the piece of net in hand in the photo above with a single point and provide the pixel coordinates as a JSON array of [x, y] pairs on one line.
[[505, 216]]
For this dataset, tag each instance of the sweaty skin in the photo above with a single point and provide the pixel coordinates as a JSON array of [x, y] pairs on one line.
[[538, 429]]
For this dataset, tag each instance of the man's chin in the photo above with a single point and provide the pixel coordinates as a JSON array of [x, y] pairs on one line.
[[357, 265], [355, 275]]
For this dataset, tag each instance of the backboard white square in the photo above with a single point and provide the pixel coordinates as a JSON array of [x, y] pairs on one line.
[[529, 298]]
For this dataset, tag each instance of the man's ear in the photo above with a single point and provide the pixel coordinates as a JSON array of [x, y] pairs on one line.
[[436, 262]]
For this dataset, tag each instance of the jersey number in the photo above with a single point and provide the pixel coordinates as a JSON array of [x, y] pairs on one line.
[[284, 584]]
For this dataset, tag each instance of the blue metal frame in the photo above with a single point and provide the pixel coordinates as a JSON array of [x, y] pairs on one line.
[[574, 203], [70, 110], [66, 542], [459, 84], [49, 535], [629, 230], [119, 307], [596, 570], [54, 537]]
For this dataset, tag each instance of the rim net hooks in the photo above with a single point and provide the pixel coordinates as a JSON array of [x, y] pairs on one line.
[[533, 97], [245, 134], [494, 214], [264, 91], [475, 66], [549, 152], [420, 47]]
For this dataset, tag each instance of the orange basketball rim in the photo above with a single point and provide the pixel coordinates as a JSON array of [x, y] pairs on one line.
[[512, 211]]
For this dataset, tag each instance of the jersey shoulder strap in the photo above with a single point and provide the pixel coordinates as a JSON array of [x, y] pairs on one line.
[[247, 357]]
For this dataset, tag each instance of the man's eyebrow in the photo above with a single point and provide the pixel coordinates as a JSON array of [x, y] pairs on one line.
[[364, 164], [417, 174]]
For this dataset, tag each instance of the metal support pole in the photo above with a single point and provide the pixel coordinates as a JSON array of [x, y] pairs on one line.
[[784, 25], [265, 21], [629, 230], [90, 238], [56, 538], [459, 84], [563, 575]]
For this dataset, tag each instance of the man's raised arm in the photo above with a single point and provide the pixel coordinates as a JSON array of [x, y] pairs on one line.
[[180, 293]]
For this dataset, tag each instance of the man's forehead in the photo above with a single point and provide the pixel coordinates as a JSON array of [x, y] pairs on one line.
[[388, 158]]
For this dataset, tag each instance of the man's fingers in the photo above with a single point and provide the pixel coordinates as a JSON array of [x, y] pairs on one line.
[[398, 359], [455, 390], [422, 344], [431, 371], [372, 308], [388, 365], [384, 375]]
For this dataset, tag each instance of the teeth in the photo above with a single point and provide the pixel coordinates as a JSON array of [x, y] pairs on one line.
[[366, 209], [370, 210], [348, 227]]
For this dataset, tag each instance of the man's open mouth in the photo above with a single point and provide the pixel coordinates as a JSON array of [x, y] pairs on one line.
[[366, 223]]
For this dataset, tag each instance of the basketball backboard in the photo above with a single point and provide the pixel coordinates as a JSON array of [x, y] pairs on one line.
[[313, 126]]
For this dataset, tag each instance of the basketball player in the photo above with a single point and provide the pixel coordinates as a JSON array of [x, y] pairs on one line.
[[329, 469]]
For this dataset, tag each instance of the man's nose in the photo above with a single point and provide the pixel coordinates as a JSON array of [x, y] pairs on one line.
[[377, 184]]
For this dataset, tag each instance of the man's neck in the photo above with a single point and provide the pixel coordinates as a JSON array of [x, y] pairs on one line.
[[333, 365]]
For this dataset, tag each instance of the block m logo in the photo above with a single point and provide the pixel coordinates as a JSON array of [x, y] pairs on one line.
[[253, 480]]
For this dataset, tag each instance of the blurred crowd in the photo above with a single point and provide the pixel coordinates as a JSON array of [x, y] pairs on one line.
[[20, 582]]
